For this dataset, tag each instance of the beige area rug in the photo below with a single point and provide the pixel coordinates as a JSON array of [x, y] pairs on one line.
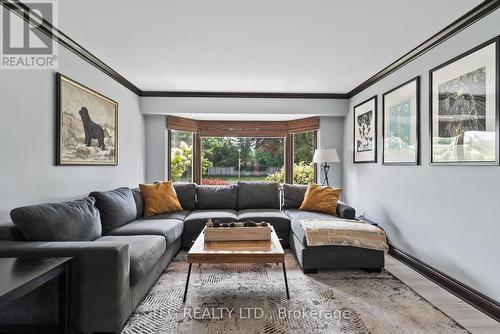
[[248, 298]]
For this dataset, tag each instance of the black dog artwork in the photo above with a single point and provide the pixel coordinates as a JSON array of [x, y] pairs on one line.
[[92, 130]]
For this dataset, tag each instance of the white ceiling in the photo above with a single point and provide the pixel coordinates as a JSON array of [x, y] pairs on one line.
[[253, 45]]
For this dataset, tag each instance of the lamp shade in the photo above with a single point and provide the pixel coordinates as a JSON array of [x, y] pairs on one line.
[[326, 155]]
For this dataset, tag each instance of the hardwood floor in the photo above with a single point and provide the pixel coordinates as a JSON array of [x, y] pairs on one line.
[[466, 315]]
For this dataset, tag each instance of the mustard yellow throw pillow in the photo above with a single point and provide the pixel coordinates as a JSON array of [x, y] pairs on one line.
[[321, 199], [159, 198]]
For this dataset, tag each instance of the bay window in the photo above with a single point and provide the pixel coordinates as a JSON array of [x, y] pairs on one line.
[[219, 153]]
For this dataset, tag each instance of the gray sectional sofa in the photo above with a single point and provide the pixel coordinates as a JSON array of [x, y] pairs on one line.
[[118, 260]]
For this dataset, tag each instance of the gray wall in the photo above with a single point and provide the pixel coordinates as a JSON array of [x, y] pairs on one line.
[[331, 135], [156, 148], [27, 137], [445, 216], [155, 108], [196, 105]]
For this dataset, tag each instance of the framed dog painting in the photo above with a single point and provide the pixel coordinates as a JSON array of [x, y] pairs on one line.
[[87, 129], [365, 131]]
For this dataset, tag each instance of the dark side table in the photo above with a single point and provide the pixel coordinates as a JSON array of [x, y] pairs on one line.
[[20, 276]]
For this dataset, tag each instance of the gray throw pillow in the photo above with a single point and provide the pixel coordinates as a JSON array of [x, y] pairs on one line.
[[68, 221], [117, 207], [217, 197], [139, 201], [258, 195], [186, 193], [293, 195]]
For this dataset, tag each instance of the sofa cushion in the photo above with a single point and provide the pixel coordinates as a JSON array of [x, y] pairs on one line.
[[275, 217], [117, 207], [186, 193], [179, 215], [258, 195], [293, 195], [139, 201], [170, 229], [296, 215], [217, 197], [68, 221], [196, 220], [145, 251]]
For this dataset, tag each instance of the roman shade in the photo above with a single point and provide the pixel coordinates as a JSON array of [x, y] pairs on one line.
[[242, 128]]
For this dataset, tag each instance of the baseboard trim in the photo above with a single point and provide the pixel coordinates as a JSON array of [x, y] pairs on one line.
[[466, 293]]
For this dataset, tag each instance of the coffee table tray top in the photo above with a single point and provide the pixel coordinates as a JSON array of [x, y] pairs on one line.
[[262, 251], [242, 251]]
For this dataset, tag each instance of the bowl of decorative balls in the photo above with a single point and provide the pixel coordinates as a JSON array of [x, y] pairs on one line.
[[236, 231]]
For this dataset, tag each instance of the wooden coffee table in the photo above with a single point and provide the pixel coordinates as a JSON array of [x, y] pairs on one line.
[[236, 252]]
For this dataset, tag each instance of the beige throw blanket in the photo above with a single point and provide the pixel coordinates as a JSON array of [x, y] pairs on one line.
[[343, 232]]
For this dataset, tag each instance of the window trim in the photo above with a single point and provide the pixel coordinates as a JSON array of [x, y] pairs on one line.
[[315, 146]]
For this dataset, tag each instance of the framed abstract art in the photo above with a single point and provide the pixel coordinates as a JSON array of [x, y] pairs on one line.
[[365, 131], [400, 114], [464, 108], [87, 125]]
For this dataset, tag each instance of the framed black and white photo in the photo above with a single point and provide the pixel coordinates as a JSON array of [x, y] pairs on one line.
[[464, 108], [400, 114], [365, 131], [87, 129]]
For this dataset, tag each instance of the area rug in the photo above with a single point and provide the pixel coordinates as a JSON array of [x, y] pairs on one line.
[[251, 298]]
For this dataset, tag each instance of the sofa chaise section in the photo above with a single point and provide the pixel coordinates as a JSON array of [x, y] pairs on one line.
[[324, 257]]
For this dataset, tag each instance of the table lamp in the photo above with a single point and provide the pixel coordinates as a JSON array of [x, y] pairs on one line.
[[323, 157]]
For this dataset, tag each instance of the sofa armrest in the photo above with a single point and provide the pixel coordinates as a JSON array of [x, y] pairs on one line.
[[345, 211], [100, 279], [8, 231]]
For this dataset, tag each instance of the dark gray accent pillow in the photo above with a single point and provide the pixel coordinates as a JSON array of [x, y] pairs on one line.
[[68, 221], [139, 201], [186, 193], [293, 195], [217, 197], [117, 207], [258, 195]]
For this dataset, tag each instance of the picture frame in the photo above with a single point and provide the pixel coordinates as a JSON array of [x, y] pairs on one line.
[[464, 108], [401, 124], [365, 131], [87, 126]]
